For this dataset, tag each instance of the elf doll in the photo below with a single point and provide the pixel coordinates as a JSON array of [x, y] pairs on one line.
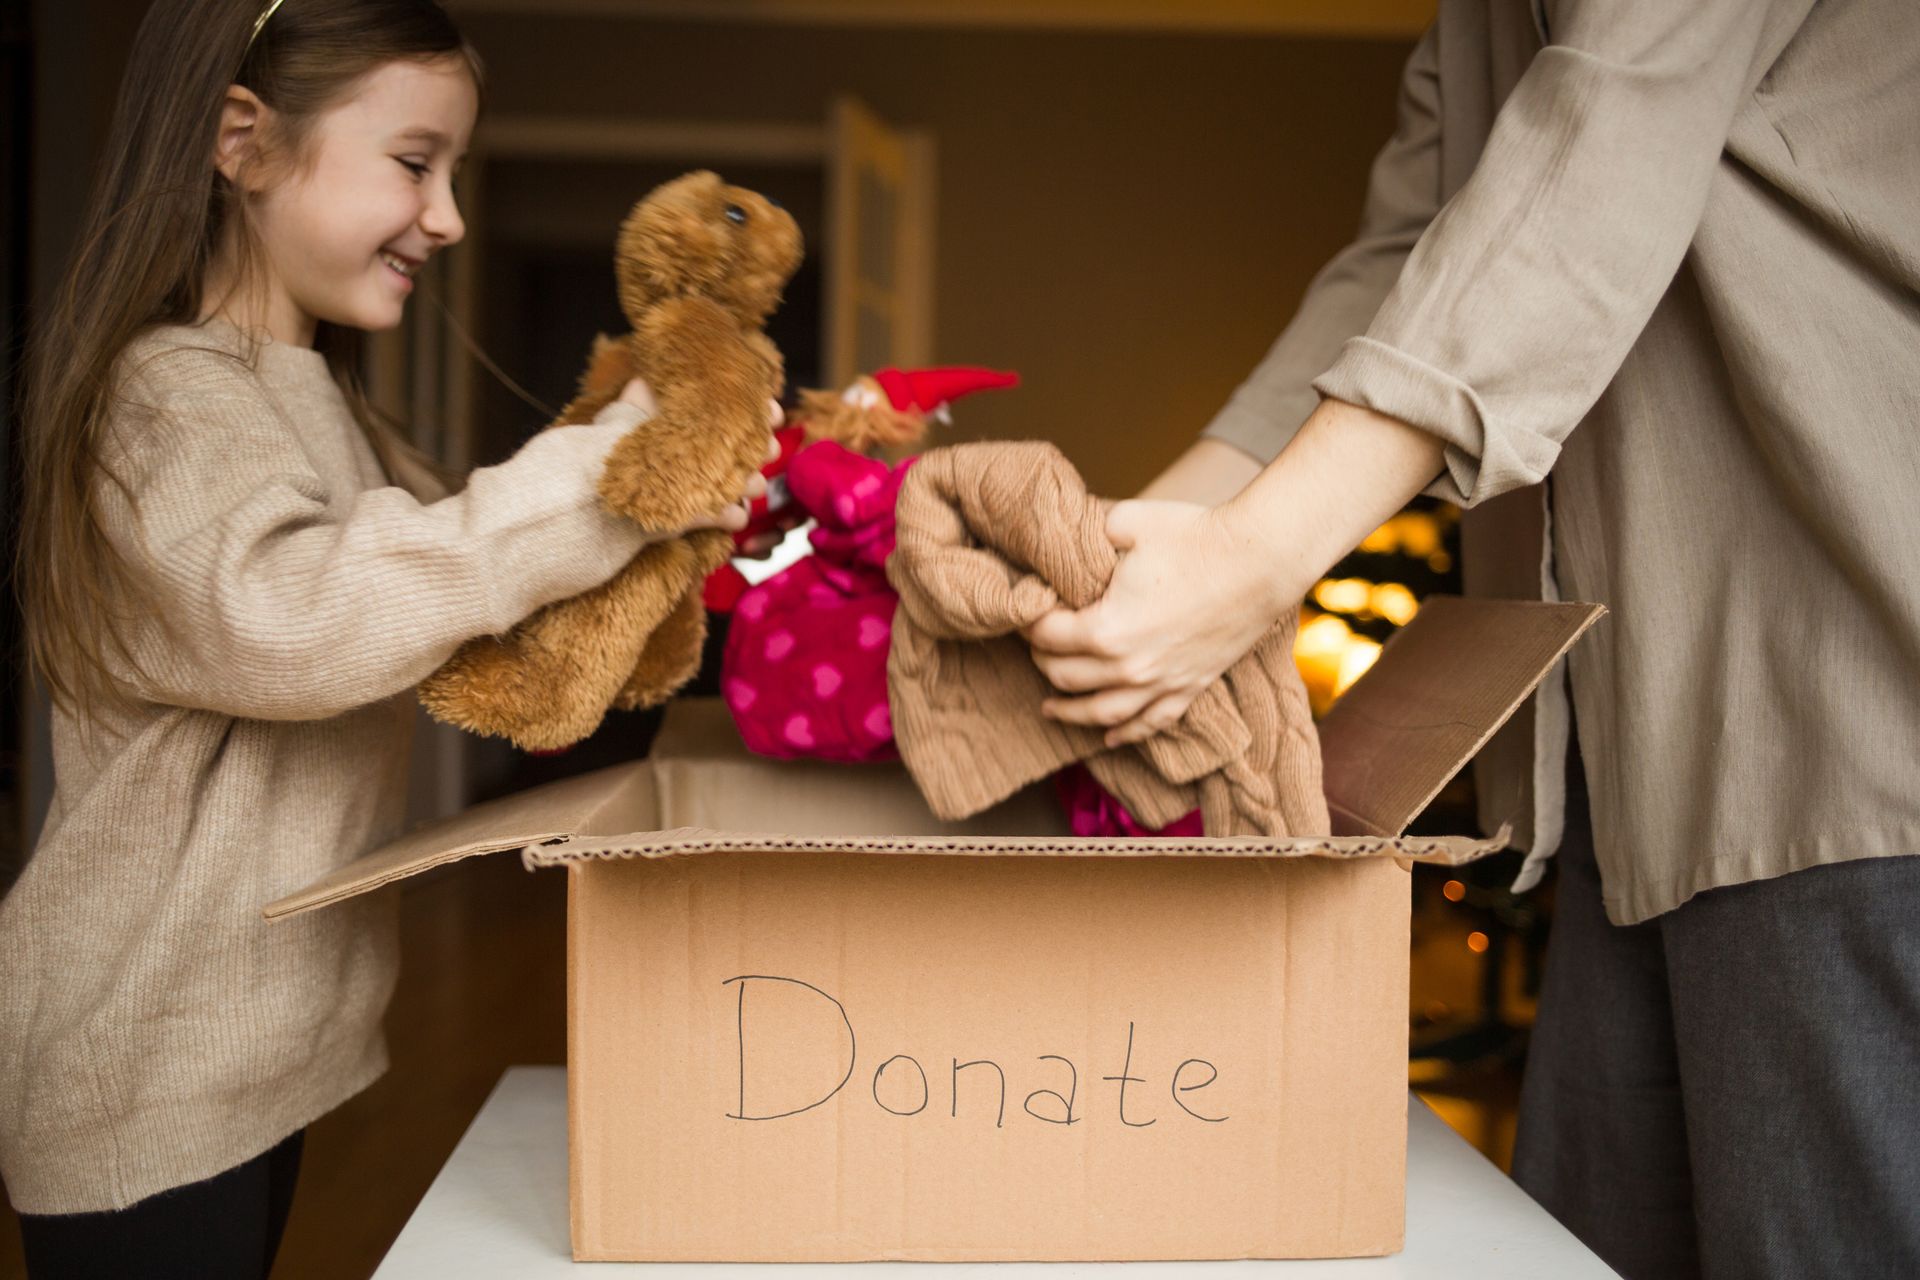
[[805, 667]]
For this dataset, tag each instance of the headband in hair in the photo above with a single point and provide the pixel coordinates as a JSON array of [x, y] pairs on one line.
[[261, 21]]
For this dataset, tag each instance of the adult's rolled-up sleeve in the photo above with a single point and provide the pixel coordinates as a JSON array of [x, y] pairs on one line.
[[1403, 195], [1522, 299]]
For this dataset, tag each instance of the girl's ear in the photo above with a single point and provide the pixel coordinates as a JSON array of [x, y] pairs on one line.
[[238, 139]]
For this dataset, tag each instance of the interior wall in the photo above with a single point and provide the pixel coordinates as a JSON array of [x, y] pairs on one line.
[[1126, 218]]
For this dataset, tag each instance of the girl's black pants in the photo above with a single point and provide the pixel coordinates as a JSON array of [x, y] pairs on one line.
[[225, 1228]]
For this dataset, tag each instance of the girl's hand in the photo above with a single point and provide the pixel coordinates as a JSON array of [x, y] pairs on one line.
[[1190, 597], [761, 545], [638, 394]]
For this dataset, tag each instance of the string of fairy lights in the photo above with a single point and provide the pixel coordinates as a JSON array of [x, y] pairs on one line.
[[1346, 617]]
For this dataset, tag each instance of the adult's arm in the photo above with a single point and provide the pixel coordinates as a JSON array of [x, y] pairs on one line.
[[1515, 309]]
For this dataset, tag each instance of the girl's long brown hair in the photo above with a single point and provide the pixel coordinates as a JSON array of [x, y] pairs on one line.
[[157, 218]]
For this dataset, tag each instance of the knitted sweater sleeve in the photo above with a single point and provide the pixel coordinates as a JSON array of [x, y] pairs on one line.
[[264, 594]]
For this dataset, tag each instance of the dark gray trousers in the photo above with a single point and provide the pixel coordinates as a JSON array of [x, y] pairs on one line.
[[1732, 1090]]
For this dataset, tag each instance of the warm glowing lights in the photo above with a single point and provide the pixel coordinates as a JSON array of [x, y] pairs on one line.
[[1453, 891], [1359, 655], [1477, 942], [1320, 651], [1362, 599], [1343, 595], [1381, 542], [1393, 602], [1330, 650], [1330, 657], [1418, 534], [1323, 637]]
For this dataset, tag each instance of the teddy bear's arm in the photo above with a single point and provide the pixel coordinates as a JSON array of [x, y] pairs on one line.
[[610, 366]]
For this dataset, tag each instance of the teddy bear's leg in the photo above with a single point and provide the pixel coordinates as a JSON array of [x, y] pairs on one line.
[[549, 681], [672, 654]]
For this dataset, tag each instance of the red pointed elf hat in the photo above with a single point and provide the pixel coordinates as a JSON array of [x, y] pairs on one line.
[[928, 389]]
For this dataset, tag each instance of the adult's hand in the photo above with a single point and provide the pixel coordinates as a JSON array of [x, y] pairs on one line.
[[1191, 595], [1197, 586]]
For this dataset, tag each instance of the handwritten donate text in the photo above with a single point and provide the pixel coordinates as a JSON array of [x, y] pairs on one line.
[[900, 1084]]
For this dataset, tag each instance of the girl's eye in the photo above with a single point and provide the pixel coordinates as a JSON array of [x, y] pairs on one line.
[[413, 167]]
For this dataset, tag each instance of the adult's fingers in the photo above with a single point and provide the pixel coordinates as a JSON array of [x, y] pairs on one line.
[[1159, 716], [1123, 524], [1103, 710], [1079, 673], [732, 519], [1066, 631]]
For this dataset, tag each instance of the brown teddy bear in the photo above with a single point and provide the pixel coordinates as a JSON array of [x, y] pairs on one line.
[[700, 266]]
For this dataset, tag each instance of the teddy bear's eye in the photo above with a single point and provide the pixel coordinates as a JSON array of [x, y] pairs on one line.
[[736, 215]]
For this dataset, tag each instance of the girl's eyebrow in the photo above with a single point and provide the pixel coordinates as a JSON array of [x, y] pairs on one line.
[[423, 133]]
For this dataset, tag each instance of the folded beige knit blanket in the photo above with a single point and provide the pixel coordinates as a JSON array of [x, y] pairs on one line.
[[992, 536]]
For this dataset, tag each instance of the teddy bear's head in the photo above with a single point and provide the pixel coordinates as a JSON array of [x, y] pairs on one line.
[[698, 236]]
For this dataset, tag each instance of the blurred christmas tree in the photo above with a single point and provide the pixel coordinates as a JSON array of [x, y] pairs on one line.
[[1477, 947], [1376, 588]]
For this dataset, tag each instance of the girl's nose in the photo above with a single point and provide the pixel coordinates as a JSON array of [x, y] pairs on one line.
[[441, 218]]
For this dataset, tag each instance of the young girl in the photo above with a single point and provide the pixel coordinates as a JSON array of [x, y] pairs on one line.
[[231, 604]]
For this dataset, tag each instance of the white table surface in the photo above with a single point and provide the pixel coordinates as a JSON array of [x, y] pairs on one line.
[[498, 1211]]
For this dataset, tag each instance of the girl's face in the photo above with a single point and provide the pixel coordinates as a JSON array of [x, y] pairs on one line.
[[344, 234]]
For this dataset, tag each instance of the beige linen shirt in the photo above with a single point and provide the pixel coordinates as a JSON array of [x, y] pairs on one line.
[[1693, 232]]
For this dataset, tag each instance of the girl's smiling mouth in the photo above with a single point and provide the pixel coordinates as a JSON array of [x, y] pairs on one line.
[[401, 265]]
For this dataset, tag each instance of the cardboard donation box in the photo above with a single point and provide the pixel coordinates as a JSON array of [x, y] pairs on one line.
[[807, 1022]]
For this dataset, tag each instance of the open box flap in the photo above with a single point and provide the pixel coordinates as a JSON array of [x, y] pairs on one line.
[[699, 773], [1439, 690], [512, 822]]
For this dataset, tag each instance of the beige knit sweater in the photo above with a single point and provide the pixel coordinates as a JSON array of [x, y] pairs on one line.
[[991, 537], [154, 1029]]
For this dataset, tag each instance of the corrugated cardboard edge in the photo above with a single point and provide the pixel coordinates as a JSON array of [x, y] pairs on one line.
[[680, 842], [576, 1074]]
